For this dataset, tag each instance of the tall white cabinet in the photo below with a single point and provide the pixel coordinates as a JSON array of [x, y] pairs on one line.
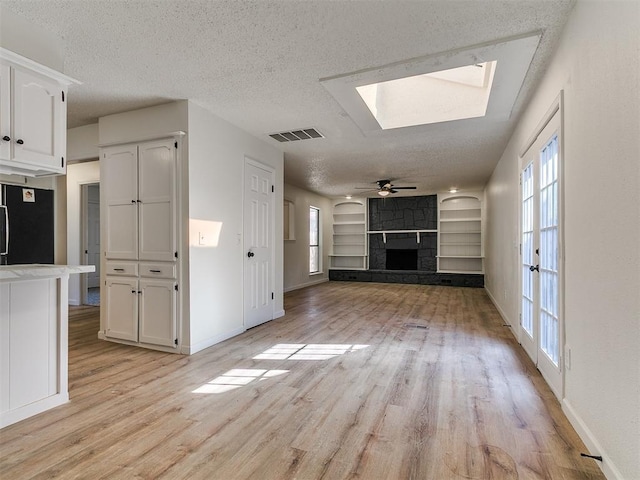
[[33, 117], [138, 196], [350, 250], [460, 233]]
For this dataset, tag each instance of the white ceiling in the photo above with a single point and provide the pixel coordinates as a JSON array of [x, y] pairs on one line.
[[258, 64]]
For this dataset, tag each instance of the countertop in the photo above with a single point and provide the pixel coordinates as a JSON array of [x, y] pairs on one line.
[[10, 273]]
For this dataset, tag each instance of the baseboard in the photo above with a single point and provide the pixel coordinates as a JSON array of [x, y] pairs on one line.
[[278, 314], [504, 316], [593, 446], [209, 342], [304, 285], [74, 302]]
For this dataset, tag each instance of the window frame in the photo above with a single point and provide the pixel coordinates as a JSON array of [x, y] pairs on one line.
[[317, 246]]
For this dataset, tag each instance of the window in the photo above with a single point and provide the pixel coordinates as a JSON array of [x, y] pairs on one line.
[[314, 240]]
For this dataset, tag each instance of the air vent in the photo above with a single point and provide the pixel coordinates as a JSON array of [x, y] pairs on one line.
[[295, 135]]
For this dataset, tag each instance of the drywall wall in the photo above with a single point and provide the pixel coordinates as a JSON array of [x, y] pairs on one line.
[[597, 65], [82, 143], [77, 175], [217, 152], [296, 252]]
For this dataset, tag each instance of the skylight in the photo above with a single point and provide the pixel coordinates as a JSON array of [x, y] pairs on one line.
[[420, 94], [441, 96]]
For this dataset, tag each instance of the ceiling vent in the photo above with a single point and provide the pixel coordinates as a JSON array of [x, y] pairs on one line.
[[294, 135]]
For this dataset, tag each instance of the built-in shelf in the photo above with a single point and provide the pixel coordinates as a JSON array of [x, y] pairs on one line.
[[460, 247], [350, 248]]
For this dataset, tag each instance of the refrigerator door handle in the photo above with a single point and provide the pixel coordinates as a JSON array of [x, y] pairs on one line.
[[5, 221]]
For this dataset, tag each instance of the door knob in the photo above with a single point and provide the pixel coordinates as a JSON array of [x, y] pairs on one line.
[[19, 141], [250, 254], [6, 138], [534, 269]]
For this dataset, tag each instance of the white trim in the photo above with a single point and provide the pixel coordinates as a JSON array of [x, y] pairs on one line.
[[593, 446], [505, 317], [306, 284], [209, 342], [12, 416], [144, 138], [278, 314], [20, 61], [555, 106]]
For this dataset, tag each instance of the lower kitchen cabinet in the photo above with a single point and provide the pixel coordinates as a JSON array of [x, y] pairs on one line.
[[141, 310]]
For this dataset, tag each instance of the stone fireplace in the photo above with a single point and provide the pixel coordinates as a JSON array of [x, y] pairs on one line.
[[403, 213]]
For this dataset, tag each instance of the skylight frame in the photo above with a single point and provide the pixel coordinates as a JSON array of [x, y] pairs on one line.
[[513, 56]]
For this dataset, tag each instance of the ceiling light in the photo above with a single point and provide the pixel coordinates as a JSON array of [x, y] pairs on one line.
[[383, 193], [348, 197], [453, 190]]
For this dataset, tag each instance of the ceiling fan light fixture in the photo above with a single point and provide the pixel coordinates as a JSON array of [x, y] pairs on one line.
[[383, 193]]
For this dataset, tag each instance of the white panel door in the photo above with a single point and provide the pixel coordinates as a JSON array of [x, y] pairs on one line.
[[39, 120], [157, 187], [158, 312], [121, 295], [119, 173], [258, 244], [541, 286]]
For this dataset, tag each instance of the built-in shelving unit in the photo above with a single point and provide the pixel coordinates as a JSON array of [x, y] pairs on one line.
[[460, 248], [349, 235]]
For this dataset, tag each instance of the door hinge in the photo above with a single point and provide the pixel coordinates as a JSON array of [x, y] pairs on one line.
[[272, 296], [175, 254], [273, 188], [176, 287], [63, 95], [176, 145], [175, 342], [62, 162]]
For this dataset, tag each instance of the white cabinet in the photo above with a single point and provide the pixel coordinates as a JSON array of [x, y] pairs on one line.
[[460, 248], [141, 310], [33, 122], [139, 184], [350, 249], [138, 187]]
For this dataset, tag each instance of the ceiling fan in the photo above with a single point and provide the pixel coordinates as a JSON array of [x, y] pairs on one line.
[[385, 187]]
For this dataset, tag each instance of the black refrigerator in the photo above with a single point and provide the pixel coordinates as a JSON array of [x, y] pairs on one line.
[[26, 225]]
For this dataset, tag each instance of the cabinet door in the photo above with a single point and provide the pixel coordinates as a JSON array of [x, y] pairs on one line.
[[157, 170], [119, 187], [122, 308], [158, 312], [5, 105], [39, 121]]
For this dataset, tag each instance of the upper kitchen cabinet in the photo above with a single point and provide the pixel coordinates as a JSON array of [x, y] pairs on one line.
[[139, 189], [33, 117]]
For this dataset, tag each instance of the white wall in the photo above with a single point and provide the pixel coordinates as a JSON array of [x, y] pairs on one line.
[[82, 143], [78, 175], [296, 252], [597, 66], [217, 152]]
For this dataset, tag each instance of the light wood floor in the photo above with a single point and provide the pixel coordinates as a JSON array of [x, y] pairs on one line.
[[432, 387]]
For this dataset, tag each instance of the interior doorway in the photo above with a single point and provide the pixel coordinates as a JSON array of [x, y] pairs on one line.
[[90, 230]]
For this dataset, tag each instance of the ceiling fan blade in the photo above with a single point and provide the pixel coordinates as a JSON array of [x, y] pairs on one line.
[[405, 188]]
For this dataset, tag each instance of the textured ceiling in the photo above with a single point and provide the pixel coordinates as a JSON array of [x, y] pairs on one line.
[[258, 65]]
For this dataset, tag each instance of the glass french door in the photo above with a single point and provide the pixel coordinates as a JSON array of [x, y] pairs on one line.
[[541, 332]]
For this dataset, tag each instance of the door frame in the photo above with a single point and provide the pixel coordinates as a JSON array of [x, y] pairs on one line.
[[555, 109], [84, 236], [272, 277]]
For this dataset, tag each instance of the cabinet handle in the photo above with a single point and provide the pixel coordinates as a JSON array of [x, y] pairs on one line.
[[133, 201], [19, 141], [133, 291], [155, 271], [119, 269], [6, 138]]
